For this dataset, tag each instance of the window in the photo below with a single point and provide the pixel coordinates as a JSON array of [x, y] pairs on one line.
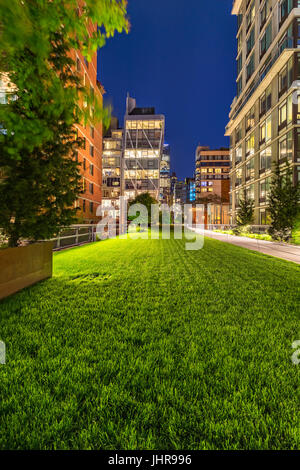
[[83, 205], [239, 154], [78, 67], [250, 67], [91, 207], [92, 131], [86, 62], [282, 114], [91, 188], [250, 142], [250, 41], [285, 7], [238, 133], [266, 159], [264, 13], [266, 40], [286, 146], [283, 81], [250, 191], [264, 188], [262, 104], [91, 150], [239, 174], [265, 101], [250, 169], [91, 169], [84, 164], [251, 15], [268, 98], [264, 217], [250, 119], [84, 142]]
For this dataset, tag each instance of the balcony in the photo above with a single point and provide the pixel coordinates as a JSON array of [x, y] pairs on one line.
[[276, 53]]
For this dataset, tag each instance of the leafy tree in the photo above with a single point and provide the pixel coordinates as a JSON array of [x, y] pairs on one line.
[[40, 179], [283, 203], [146, 200], [245, 211]]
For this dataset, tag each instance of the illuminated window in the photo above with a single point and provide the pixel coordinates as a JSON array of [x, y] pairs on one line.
[[250, 142], [266, 158], [282, 114]]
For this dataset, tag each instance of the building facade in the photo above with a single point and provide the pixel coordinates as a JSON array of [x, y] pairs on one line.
[[190, 184], [90, 156], [180, 192], [165, 176], [212, 173], [264, 121], [143, 148], [213, 184], [111, 167]]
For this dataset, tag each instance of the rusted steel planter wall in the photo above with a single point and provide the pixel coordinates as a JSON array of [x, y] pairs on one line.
[[23, 266]]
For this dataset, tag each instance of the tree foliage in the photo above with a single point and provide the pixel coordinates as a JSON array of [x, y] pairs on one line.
[[146, 200], [283, 203], [245, 211], [40, 180]]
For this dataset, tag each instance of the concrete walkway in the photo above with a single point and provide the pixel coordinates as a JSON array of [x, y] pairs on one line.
[[279, 250]]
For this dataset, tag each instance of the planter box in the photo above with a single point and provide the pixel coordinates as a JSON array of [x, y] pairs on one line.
[[23, 266]]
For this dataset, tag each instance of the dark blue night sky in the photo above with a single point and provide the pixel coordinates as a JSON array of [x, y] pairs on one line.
[[179, 57]]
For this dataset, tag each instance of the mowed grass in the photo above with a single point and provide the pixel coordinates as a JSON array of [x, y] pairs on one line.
[[143, 345]]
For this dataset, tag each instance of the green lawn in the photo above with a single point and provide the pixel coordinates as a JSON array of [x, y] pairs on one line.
[[143, 345]]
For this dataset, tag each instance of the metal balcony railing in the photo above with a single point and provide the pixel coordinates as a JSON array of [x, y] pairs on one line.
[[287, 44]]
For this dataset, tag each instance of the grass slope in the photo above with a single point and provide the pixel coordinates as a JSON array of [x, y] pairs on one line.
[[143, 345]]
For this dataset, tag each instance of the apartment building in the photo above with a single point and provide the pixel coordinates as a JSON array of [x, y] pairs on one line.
[[90, 156], [112, 166], [165, 175], [143, 148], [264, 120], [212, 172], [213, 184]]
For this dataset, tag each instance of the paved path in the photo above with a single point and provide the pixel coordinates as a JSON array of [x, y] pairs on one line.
[[279, 250]]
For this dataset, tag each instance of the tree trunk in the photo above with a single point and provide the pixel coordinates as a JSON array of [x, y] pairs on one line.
[[13, 241]]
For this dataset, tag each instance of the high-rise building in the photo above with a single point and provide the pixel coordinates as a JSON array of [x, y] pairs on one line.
[[90, 156], [143, 147], [264, 117], [111, 166], [212, 183], [212, 172], [190, 190], [180, 192], [173, 182], [165, 175]]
